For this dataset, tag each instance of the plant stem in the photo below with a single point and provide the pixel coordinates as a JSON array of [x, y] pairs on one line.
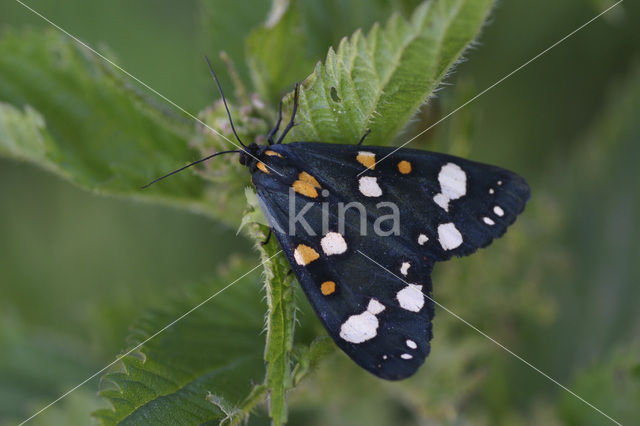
[[280, 329]]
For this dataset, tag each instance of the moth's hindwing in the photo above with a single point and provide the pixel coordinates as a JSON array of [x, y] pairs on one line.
[[380, 316]]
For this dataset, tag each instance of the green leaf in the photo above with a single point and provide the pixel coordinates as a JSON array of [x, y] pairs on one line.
[[201, 368], [296, 33], [24, 136], [277, 51], [67, 111], [379, 80], [328, 21]]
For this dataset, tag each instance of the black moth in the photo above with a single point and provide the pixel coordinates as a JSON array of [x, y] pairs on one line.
[[370, 287]]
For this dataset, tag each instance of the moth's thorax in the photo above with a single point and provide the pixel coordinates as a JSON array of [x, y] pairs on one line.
[[277, 168], [266, 160]]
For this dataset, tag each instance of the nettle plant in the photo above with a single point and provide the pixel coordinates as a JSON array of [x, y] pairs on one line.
[[215, 365]]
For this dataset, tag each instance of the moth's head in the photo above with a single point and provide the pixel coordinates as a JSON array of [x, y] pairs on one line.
[[249, 154]]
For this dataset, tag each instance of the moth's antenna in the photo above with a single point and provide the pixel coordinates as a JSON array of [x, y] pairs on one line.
[[215, 77], [189, 165]]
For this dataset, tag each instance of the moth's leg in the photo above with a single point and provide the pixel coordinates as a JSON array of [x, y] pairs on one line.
[[364, 136], [267, 239], [273, 131], [293, 114]]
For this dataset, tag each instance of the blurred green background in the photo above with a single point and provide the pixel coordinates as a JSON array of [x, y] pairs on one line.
[[77, 269]]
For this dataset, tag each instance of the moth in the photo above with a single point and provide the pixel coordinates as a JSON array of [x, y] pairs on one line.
[[369, 282]]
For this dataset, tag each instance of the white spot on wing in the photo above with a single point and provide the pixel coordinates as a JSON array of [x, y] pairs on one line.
[[498, 211], [375, 307], [411, 298], [422, 239], [406, 356], [442, 201], [453, 185], [333, 243], [491, 191], [453, 181], [411, 344], [369, 186], [488, 221], [449, 236], [362, 327], [405, 268]]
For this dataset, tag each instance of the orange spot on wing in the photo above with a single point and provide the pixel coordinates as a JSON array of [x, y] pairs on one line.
[[367, 159], [306, 185], [306, 177], [261, 166], [328, 287], [304, 255], [404, 167], [305, 189], [273, 153]]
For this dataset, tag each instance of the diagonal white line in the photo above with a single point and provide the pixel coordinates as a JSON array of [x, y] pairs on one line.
[[190, 311], [500, 345], [497, 83], [127, 73]]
